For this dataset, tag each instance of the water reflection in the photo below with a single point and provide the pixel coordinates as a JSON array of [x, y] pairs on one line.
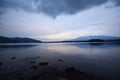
[[17, 45], [60, 61], [71, 48], [103, 58], [95, 45]]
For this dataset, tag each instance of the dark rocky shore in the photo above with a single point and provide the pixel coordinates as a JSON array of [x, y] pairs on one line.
[[42, 71]]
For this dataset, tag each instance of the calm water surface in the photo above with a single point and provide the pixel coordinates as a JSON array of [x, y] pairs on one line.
[[101, 60]]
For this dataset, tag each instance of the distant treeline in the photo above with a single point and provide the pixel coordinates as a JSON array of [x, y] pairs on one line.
[[97, 40], [92, 40]]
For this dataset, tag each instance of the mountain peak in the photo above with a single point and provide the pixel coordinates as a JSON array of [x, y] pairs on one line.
[[84, 38]]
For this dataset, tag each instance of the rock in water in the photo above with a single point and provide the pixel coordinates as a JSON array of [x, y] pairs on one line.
[[0, 63], [13, 57], [34, 67], [71, 70], [32, 61], [60, 60], [43, 63]]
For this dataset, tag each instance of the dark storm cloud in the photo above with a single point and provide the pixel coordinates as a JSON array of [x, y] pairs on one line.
[[52, 7], [117, 2], [56, 7]]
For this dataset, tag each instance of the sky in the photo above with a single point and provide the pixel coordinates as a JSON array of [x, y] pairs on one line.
[[59, 19]]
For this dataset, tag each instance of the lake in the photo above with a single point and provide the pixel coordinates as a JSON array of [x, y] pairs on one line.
[[59, 61]]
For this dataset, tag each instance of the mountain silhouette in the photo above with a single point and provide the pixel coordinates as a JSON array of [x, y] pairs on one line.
[[87, 38], [18, 40]]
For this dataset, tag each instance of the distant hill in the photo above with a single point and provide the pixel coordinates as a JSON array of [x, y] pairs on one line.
[[17, 40], [87, 38]]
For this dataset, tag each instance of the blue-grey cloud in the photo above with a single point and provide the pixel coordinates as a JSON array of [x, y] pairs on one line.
[[52, 7], [1, 23], [117, 2]]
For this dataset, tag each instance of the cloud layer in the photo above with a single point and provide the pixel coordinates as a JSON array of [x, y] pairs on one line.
[[52, 8]]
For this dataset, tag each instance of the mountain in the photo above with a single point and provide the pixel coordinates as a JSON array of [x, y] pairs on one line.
[[87, 38], [17, 40]]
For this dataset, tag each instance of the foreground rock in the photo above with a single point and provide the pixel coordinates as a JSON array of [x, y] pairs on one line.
[[13, 58], [43, 63], [0, 63], [32, 62], [34, 67], [74, 74], [32, 58], [71, 70], [60, 60]]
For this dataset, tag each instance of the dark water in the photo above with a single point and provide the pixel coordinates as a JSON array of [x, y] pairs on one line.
[[54, 61]]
